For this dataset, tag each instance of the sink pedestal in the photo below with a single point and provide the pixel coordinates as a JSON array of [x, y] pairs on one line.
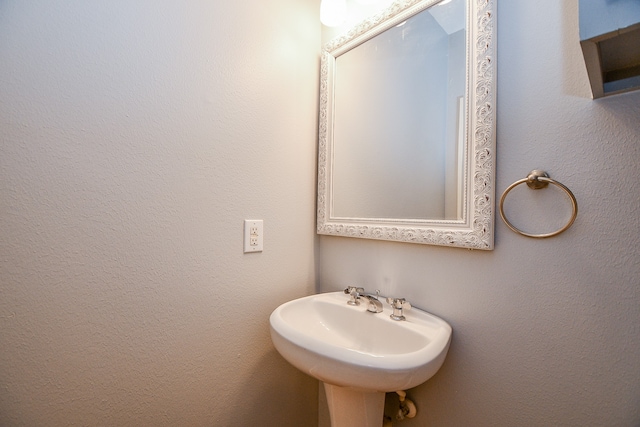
[[354, 408]]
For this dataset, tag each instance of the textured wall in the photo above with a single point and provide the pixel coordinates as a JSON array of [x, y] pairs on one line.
[[546, 332], [135, 137]]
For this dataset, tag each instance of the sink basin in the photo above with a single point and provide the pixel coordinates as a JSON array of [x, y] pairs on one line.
[[347, 346]]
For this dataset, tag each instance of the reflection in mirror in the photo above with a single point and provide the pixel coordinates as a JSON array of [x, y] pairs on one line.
[[407, 127], [395, 128]]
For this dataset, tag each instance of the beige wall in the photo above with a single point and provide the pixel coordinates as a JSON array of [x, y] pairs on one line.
[[135, 137], [545, 331]]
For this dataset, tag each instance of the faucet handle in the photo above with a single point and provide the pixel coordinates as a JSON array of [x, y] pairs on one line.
[[355, 294], [351, 289], [398, 304]]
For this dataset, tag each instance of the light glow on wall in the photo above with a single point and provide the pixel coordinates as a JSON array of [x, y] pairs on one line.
[[333, 12]]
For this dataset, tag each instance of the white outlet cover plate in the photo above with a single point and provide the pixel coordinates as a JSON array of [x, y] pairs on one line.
[[258, 226]]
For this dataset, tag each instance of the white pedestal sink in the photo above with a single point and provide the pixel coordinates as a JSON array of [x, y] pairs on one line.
[[357, 354]]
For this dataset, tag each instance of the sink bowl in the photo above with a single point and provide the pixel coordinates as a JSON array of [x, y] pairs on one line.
[[347, 346]]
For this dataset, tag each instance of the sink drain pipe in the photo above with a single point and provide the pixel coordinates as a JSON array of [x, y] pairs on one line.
[[407, 407]]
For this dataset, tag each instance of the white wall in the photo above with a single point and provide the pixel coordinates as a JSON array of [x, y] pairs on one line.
[[546, 332], [135, 137]]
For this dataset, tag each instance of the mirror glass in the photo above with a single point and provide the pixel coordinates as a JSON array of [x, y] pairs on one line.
[[407, 128], [395, 126]]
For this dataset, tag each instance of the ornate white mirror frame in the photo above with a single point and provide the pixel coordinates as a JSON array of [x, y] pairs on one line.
[[475, 227]]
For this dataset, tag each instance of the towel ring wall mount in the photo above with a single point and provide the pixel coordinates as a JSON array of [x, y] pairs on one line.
[[536, 180]]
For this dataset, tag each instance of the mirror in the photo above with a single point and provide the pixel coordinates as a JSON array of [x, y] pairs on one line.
[[407, 126]]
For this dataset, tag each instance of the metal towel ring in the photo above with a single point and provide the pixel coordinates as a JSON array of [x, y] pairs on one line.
[[536, 180]]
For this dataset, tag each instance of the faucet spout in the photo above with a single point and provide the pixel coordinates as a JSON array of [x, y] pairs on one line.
[[374, 305]]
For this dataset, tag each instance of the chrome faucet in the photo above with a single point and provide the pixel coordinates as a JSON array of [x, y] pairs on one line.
[[398, 304], [355, 294], [373, 303]]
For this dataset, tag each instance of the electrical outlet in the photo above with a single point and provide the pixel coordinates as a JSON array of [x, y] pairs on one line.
[[253, 235]]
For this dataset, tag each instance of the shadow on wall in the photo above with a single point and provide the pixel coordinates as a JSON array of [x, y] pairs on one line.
[[262, 399]]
